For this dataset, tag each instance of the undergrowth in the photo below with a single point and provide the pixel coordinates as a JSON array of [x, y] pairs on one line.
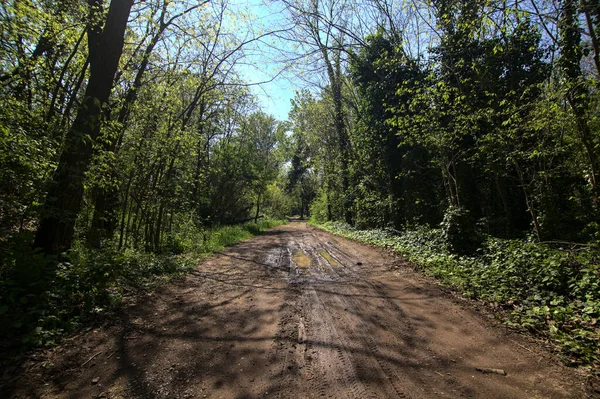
[[554, 292], [41, 300]]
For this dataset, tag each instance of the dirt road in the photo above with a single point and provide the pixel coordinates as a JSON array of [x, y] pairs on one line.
[[299, 313]]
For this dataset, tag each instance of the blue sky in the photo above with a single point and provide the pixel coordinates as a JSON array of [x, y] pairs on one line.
[[273, 97]]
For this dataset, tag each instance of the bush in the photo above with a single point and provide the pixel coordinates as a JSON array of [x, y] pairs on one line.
[[41, 299], [371, 208], [318, 208], [459, 231]]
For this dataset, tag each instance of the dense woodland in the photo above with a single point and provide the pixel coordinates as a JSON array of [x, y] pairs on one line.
[[495, 126], [130, 139], [126, 132]]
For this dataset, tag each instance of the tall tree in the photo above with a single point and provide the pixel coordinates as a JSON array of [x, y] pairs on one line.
[[322, 28], [578, 94], [65, 194]]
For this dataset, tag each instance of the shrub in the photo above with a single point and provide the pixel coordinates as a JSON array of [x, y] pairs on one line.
[[41, 299], [459, 231], [318, 208]]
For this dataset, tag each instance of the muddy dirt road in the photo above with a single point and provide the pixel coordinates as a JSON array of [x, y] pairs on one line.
[[299, 313]]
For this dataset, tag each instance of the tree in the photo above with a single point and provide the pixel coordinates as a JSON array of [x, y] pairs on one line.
[[260, 133], [63, 201], [300, 178], [578, 95], [105, 200], [396, 179], [314, 24]]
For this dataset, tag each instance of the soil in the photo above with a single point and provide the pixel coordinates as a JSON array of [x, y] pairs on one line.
[[300, 313]]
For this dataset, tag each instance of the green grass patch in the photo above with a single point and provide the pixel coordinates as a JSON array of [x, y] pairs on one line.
[[554, 292]]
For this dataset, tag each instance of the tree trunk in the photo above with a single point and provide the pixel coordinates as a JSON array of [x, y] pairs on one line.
[[578, 93], [329, 211], [591, 10], [257, 208], [59, 84], [335, 79], [63, 201], [159, 224], [530, 205], [125, 213]]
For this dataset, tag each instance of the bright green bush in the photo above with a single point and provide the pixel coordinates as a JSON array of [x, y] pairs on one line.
[[318, 208]]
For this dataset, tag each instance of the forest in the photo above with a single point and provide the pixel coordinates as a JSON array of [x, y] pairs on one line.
[[463, 134]]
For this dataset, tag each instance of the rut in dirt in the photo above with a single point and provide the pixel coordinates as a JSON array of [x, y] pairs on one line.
[[357, 327], [300, 313]]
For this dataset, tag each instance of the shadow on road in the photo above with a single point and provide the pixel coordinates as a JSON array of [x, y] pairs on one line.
[[249, 323]]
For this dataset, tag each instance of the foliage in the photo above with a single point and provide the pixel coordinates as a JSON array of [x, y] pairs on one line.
[[319, 208], [88, 283], [458, 231], [550, 291], [317, 164], [277, 203]]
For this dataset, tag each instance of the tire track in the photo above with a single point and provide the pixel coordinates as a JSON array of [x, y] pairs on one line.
[[367, 361], [346, 333], [354, 366], [345, 369]]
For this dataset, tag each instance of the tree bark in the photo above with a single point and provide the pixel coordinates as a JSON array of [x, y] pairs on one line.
[[257, 208], [578, 93]]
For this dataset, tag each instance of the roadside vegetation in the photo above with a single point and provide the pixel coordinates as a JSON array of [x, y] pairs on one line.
[[129, 148], [86, 285]]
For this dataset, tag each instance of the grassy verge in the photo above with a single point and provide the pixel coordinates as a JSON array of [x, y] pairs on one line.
[[39, 309], [553, 292]]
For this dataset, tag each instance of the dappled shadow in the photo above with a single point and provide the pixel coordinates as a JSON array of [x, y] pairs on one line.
[[248, 323]]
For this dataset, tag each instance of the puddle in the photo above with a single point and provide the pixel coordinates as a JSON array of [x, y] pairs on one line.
[[275, 257], [328, 258], [300, 258]]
